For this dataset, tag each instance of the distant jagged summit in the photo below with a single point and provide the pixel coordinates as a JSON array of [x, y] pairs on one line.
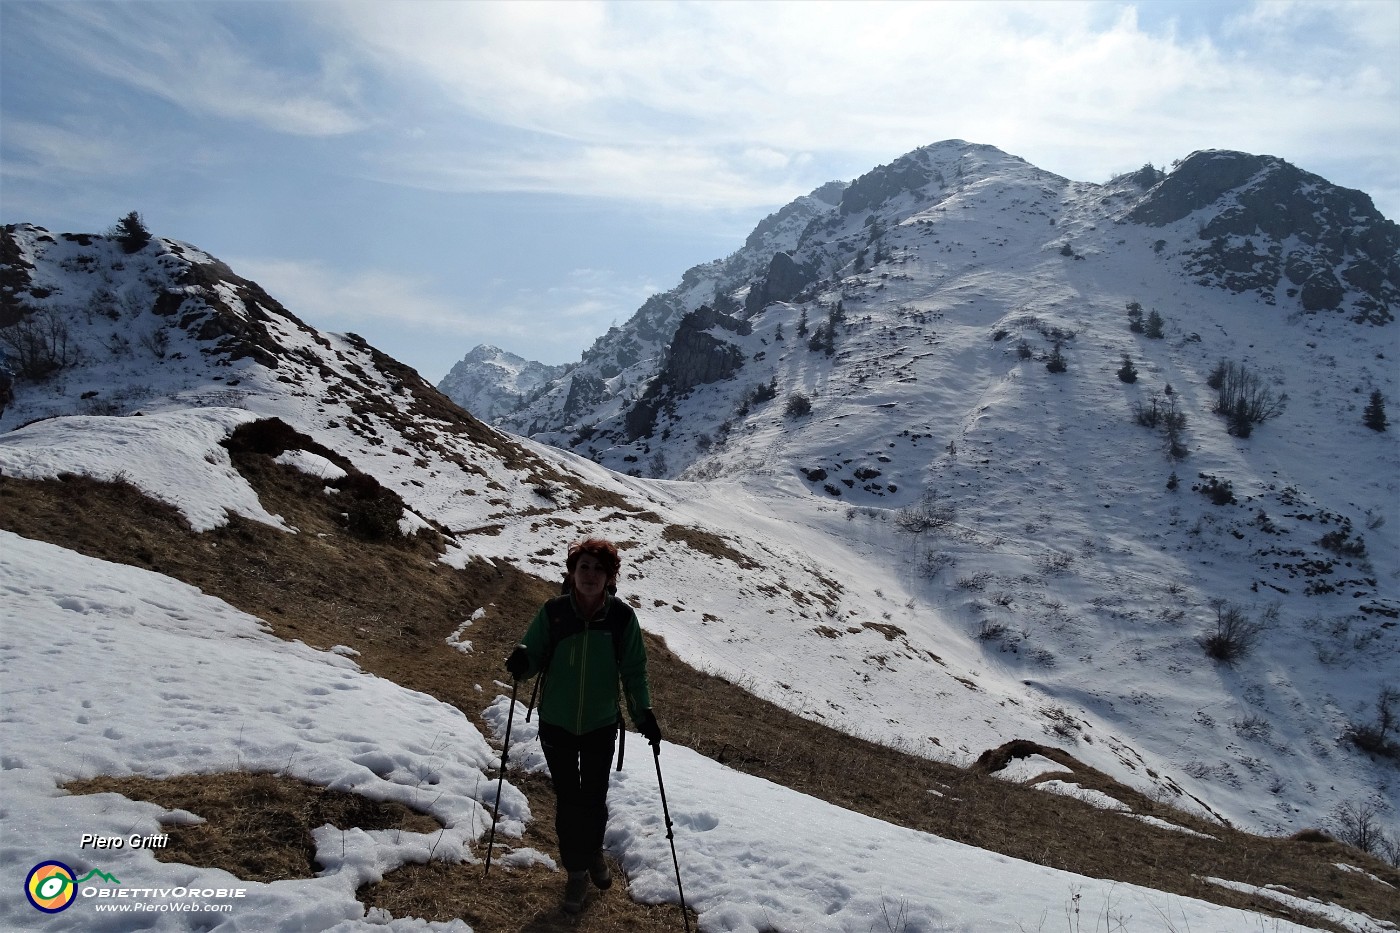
[[609, 371], [490, 382]]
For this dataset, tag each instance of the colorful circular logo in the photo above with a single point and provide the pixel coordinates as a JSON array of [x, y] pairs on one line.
[[50, 887]]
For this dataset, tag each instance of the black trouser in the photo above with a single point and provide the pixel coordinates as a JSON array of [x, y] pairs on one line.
[[578, 766]]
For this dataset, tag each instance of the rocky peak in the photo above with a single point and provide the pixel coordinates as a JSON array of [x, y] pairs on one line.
[[1267, 226], [491, 382], [697, 356]]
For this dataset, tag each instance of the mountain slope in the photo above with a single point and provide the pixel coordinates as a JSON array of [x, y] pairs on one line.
[[1024, 520], [824, 609]]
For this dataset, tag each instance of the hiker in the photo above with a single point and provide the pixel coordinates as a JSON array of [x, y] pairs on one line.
[[582, 644]]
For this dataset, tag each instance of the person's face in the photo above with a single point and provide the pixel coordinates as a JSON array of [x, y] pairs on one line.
[[590, 577]]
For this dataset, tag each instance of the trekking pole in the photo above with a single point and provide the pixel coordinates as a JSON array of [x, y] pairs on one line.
[[621, 740], [500, 782], [670, 831], [533, 695]]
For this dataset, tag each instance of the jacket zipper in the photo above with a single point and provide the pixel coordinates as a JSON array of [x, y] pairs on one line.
[[582, 681]]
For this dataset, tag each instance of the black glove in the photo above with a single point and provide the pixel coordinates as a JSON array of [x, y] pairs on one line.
[[518, 663], [650, 729]]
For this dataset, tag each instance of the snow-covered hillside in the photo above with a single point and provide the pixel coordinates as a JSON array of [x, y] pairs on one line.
[[1017, 567], [902, 401]]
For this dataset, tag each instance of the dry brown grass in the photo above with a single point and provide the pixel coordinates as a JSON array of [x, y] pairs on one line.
[[256, 826], [707, 542], [395, 604]]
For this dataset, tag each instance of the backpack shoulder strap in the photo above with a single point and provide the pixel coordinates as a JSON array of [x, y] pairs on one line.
[[563, 623], [618, 613]]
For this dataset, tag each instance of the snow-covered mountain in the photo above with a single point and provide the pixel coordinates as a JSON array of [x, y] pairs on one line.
[[491, 382], [1221, 234], [952, 548], [898, 360]]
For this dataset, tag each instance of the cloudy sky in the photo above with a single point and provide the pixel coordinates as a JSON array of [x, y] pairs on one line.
[[435, 175]]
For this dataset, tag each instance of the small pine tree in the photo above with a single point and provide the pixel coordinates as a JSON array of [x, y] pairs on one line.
[[131, 232], [1153, 327], [1127, 372], [802, 323], [798, 405], [778, 333], [1374, 416], [1135, 317], [1056, 363]]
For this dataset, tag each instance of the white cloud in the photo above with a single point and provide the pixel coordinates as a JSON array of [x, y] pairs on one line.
[[38, 150], [336, 299], [183, 54], [388, 308], [721, 103], [677, 175]]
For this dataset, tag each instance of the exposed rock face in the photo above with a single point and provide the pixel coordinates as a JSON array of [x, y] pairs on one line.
[[636, 351], [696, 357], [585, 391], [799, 211], [876, 187], [784, 281], [1275, 227]]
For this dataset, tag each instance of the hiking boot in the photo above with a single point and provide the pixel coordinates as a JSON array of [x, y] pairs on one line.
[[575, 890], [600, 873]]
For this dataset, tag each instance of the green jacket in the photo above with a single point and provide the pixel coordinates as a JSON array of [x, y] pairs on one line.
[[579, 691]]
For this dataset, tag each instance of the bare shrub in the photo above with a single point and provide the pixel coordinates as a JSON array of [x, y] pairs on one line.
[[935, 562], [1149, 415], [975, 582], [991, 630], [1254, 726], [1375, 737], [1055, 562], [1243, 399], [157, 342], [927, 514], [1358, 823], [38, 344], [1235, 634]]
